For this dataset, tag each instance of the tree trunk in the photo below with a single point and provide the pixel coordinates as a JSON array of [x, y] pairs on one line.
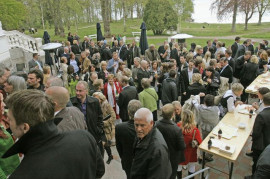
[[246, 23], [234, 15], [124, 15], [138, 11], [260, 19], [110, 10], [131, 12], [106, 17]]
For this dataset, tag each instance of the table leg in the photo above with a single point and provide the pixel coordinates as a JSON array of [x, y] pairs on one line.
[[203, 164], [231, 170]]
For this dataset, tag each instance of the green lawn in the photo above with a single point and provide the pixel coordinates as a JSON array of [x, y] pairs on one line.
[[195, 29]]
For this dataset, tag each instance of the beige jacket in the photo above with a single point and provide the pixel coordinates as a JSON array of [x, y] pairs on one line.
[[109, 127]]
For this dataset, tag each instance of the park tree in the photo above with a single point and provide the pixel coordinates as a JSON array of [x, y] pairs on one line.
[[184, 9], [12, 14], [159, 16], [262, 6], [106, 16], [248, 8], [225, 8]]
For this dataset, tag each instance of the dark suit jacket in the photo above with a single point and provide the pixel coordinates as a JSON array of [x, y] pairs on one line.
[[261, 130], [185, 80], [263, 165], [239, 64], [85, 45], [161, 49], [234, 49], [72, 119], [93, 117], [195, 89], [32, 64], [75, 49], [123, 52], [128, 93], [240, 51], [125, 137], [227, 73], [251, 49], [175, 141], [248, 74], [232, 64]]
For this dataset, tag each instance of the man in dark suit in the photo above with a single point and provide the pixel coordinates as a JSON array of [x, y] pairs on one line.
[[122, 50], [91, 109], [235, 45], [161, 50], [66, 53], [226, 70], [261, 131], [128, 93], [242, 49], [125, 137], [173, 137], [106, 54], [85, 43], [134, 52], [185, 79], [66, 118], [206, 48], [182, 64], [228, 55], [251, 47], [263, 165], [35, 63], [142, 73], [239, 64]]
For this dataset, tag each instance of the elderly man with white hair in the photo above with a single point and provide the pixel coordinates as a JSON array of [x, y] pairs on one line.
[[151, 155]]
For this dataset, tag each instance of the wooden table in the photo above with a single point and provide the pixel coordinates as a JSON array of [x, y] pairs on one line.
[[257, 83], [239, 141]]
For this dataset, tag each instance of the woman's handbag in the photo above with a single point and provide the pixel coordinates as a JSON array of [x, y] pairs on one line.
[[194, 142]]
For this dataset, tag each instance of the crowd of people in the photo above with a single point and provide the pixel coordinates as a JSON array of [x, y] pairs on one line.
[[108, 95]]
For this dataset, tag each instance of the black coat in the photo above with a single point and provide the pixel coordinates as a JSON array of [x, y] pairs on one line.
[[128, 93], [125, 136], [232, 63], [140, 75], [251, 49], [248, 74], [239, 64], [101, 75], [85, 45], [185, 80], [261, 130], [240, 51], [174, 54], [169, 91], [195, 89], [234, 49], [151, 157], [263, 165], [94, 116], [227, 73], [175, 141], [51, 154], [106, 54], [161, 50], [76, 49], [134, 52], [123, 52]]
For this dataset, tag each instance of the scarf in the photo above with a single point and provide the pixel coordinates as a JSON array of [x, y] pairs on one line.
[[111, 97]]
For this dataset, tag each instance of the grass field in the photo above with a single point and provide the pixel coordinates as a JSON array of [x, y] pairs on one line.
[[221, 31]]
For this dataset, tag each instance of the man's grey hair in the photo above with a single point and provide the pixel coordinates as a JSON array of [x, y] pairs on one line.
[[17, 82], [133, 106], [143, 62], [55, 81], [144, 113], [85, 84], [2, 70], [137, 59]]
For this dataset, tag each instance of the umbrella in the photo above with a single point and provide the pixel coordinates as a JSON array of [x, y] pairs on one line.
[[143, 39], [99, 33], [46, 37]]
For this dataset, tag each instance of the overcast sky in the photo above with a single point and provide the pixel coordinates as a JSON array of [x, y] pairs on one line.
[[202, 13]]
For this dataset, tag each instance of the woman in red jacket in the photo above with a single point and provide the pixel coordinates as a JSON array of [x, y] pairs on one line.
[[189, 129], [112, 89]]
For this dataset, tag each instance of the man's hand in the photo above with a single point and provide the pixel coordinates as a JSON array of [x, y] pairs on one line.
[[238, 102], [209, 80], [185, 93], [202, 94]]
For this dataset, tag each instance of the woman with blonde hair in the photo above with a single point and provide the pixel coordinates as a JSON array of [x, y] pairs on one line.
[[263, 61], [248, 74], [196, 87], [190, 131], [46, 73], [109, 127], [207, 58], [103, 73]]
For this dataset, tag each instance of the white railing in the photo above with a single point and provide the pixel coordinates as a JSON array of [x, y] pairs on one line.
[[20, 40]]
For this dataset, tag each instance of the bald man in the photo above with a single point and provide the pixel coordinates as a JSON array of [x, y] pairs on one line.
[[151, 155], [66, 118]]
